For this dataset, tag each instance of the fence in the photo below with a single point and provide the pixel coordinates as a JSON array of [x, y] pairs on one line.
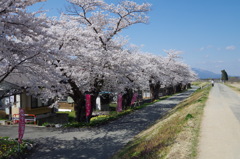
[[28, 118]]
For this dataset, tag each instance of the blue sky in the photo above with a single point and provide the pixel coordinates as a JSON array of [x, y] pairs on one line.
[[206, 31]]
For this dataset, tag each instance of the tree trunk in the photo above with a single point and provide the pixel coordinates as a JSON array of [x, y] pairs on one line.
[[79, 107], [178, 88], [154, 89], [79, 100], [162, 91], [98, 82], [127, 98], [188, 85], [170, 90]]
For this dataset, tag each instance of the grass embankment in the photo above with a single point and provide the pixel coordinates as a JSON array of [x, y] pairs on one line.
[[9, 148], [235, 86], [103, 119], [174, 136], [201, 84]]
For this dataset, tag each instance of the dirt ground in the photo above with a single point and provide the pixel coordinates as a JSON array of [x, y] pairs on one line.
[[220, 129]]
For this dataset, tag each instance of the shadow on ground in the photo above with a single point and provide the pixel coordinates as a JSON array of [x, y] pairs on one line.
[[102, 142]]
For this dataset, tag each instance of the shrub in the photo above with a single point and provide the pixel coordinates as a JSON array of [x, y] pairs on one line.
[[3, 115]]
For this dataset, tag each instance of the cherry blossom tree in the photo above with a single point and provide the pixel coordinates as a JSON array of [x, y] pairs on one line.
[[179, 74], [88, 39], [23, 38], [164, 72], [82, 52], [95, 57]]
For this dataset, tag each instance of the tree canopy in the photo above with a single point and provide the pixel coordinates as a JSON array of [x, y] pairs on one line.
[[224, 75], [82, 52]]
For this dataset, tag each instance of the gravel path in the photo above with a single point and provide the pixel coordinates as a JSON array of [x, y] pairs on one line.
[[220, 132], [94, 143]]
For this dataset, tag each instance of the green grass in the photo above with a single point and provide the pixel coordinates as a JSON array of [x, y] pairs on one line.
[[71, 115], [112, 107], [9, 148], [159, 140], [200, 83], [103, 119]]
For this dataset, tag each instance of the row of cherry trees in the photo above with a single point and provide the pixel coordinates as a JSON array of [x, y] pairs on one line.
[[82, 51]]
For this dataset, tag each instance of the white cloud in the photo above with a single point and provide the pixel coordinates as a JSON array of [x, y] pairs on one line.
[[202, 48], [231, 47], [206, 47]]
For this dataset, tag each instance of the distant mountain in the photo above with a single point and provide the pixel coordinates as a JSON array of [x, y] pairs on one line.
[[204, 74]]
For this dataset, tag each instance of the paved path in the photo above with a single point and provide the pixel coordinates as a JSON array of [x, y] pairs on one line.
[[94, 143], [220, 132]]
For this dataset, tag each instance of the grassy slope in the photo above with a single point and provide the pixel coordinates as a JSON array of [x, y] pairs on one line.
[[234, 86], [174, 136]]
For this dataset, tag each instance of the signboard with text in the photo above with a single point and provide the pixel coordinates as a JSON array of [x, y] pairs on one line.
[[88, 105], [21, 125], [134, 98], [119, 103]]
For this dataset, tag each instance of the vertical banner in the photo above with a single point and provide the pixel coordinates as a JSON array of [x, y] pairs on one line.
[[134, 98], [88, 105], [98, 103], [119, 103], [21, 125]]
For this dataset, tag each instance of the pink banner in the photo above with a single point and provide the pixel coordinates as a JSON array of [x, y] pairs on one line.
[[134, 98], [21, 125], [119, 103], [88, 105]]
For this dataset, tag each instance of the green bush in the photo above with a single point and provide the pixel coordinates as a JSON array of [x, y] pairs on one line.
[[3, 115], [9, 148], [188, 116]]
